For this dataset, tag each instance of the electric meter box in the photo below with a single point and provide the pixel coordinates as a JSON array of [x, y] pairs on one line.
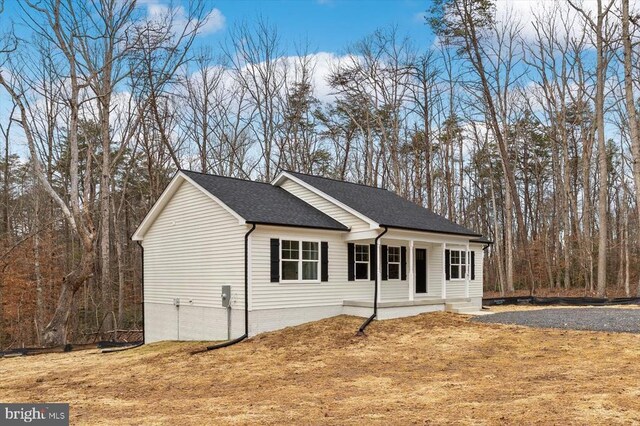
[[226, 296]]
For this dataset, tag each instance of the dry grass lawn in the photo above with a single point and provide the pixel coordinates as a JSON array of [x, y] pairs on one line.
[[431, 369]]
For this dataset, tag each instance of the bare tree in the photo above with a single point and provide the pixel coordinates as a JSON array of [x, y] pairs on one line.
[[599, 27], [255, 56], [634, 131]]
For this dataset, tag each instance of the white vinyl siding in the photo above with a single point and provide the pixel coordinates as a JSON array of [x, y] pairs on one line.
[[475, 285], [268, 295], [456, 288], [435, 268], [325, 206], [394, 290], [191, 250]]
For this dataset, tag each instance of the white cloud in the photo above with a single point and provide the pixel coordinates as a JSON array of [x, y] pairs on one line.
[[526, 12], [324, 64], [214, 21]]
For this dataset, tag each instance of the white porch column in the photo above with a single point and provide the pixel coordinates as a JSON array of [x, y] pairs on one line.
[[379, 269], [412, 275], [467, 271], [444, 273]]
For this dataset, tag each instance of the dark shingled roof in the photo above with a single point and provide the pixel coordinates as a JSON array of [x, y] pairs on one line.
[[259, 202], [385, 207], [483, 240]]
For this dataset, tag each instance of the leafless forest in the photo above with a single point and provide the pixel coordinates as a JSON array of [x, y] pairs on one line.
[[523, 128]]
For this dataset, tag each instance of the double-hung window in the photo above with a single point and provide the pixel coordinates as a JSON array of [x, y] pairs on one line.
[[362, 262], [458, 265], [393, 263], [300, 260]]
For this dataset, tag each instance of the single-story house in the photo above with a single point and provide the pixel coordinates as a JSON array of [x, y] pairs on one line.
[[298, 249]]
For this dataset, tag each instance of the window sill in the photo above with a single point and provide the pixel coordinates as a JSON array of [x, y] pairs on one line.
[[299, 282]]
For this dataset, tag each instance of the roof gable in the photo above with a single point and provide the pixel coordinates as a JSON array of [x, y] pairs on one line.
[[287, 176], [164, 199], [383, 206], [263, 203]]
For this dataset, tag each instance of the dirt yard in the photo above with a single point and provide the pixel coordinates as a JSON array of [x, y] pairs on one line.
[[431, 369]]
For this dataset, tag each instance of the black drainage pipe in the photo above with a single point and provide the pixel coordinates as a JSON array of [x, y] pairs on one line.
[[126, 348], [375, 291], [246, 301]]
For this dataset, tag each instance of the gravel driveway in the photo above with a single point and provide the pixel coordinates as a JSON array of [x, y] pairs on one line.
[[596, 319]]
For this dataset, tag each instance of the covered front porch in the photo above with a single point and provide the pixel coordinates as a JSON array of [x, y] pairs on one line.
[[418, 280], [406, 308]]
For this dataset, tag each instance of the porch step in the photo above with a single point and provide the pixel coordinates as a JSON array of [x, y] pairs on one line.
[[480, 313], [461, 307]]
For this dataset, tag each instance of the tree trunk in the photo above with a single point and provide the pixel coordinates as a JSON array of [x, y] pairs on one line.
[[1, 309], [475, 56], [56, 331], [634, 132], [5, 226], [587, 226], [105, 236], [501, 277], [602, 157], [39, 314], [508, 232], [121, 265], [625, 237]]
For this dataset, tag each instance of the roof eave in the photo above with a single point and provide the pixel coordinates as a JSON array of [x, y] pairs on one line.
[[481, 241], [407, 228], [289, 225]]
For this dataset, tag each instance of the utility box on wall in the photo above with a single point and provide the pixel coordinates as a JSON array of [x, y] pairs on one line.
[[226, 296]]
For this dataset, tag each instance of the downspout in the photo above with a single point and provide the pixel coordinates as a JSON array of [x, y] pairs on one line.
[[375, 291], [246, 300], [142, 288]]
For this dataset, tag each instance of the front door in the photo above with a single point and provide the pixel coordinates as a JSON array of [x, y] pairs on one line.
[[421, 271]]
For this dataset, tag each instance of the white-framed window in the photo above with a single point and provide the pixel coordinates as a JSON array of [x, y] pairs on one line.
[[310, 260], [300, 260], [362, 262], [393, 263], [458, 264]]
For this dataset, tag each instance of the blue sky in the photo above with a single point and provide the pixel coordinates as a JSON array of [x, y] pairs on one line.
[[330, 25], [327, 25], [323, 25]]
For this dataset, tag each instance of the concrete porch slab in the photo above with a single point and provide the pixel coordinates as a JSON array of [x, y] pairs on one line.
[[400, 303]]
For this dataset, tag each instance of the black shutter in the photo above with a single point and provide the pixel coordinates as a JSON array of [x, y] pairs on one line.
[[350, 261], [447, 264], [373, 258], [403, 263], [275, 260], [384, 263], [473, 265], [324, 265]]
